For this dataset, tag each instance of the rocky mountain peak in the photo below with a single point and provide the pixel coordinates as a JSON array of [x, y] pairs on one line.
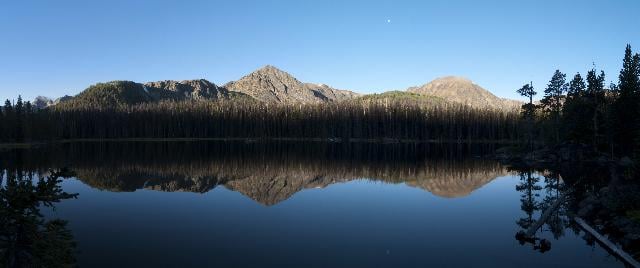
[[270, 84], [274, 75], [464, 91], [186, 89], [453, 79]]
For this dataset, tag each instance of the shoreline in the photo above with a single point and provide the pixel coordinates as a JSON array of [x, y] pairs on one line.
[[610, 208], [26, 145]]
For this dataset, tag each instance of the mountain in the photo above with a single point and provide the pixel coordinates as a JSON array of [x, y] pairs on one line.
[[270, 179], [464, 91], [270, 84], [270, 187], [448, 184], [267, 84], [41, 102], [113, 93], [402, 97], [117, 93], [62, 99], [199, 89]]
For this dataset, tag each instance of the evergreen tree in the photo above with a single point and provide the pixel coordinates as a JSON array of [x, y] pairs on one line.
[[8, 121], [3, 125], [576, 124], [19, 120], [27, 238], [28, 107], [595, 100], [636, 140], [528, 111], [626, 105], [576, 87], [553, 99]]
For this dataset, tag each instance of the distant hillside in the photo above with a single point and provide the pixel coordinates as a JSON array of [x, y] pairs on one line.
[[464, 91], [115, 93], [118, 93], [401, 97], [270, 84], [199, 89]]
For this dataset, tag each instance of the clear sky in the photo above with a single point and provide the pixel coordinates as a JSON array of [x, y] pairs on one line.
[[53, 48]]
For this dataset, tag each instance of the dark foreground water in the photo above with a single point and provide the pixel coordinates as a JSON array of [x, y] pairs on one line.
[[206, 204]]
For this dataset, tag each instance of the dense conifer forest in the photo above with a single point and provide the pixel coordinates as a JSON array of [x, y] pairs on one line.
[[364, 119], [581, 110]]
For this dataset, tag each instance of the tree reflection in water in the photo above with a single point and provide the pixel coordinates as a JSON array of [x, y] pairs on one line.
[[536, 198], [26, 238]]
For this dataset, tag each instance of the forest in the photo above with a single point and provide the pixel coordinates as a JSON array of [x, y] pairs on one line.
[[581, 110], [399, 120], [586, 111]]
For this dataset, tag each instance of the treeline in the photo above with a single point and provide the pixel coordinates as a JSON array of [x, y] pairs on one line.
[[588, 112], [18, 121], [234, 119]]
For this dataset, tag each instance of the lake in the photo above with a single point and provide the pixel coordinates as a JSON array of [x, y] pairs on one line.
[[302, 204]]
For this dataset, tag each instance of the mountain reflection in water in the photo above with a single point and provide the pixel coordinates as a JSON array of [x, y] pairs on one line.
[[356, 224], [268, 173]]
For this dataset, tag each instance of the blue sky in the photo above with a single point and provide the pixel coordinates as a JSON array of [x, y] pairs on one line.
[[60, 47]]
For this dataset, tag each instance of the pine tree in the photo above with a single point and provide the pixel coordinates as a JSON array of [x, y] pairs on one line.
[[576, 87], [8, 108], [9, 118], [595, 100], [528, 111], [576, 124], [626, 105], [19, 120], [552, 100], [636, 124]]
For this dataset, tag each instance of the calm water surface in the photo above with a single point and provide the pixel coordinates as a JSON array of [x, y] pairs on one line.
[[204, 204]]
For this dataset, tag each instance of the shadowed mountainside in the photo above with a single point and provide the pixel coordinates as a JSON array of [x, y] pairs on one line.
[[199, 89], [118, 93]]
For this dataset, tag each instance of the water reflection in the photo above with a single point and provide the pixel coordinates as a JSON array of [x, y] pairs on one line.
[[270, 173], [26, 238], [292, 233], [540, 191]]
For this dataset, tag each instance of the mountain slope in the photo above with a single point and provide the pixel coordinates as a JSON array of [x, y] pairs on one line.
[[122, 93], [464, 91], [115, 93], [270, 84], [400, 97], [199, 89]]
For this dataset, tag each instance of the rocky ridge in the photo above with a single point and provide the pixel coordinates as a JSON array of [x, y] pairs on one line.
[[464, 91], [270, 84]]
